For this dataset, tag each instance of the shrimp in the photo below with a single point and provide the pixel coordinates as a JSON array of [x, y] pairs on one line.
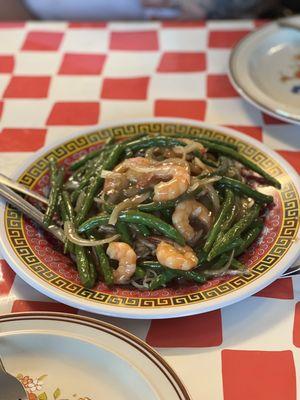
[[174, 173], [120, 178], [176, 257], [127, 261], [177, 185], [181, 217]]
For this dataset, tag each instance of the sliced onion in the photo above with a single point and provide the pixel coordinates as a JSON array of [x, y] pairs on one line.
[[212, 193], [149, 277], [221, 271], [72, 236], [202, 165], [71, 185], [207, 181], [125, 205], [197, 183]]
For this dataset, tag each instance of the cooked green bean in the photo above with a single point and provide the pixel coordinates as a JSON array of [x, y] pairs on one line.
[[96, 184], [234, 232], [204, 139], [68, 206], [213, 233], [139, 273], [92, 154], [242, 188], [250, 236], [155, 141], [83, 267], [244, 160], [103, 265], [172, 273], [142, 229], [136, 217], [56, 181], [123, 231]]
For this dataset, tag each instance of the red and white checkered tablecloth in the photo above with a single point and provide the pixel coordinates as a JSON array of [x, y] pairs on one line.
[[56, 78]]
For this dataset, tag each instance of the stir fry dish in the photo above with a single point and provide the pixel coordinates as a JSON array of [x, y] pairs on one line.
[[151, 211]]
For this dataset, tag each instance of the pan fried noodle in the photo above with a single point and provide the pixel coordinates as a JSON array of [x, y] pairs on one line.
[[153, 211]]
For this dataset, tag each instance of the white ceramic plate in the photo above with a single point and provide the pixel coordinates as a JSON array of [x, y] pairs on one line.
[[61, 356], [40, 262], [265, 70]]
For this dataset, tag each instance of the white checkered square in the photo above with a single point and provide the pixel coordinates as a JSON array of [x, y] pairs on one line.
[[218, 61], [177, 86], [85, 41], [232, 111], [137, 63], [75, 88], [282, 137], [267, 324], [20, 113], [5, 78], [194, 39], [37, 63], [11, 40], [112, 110]]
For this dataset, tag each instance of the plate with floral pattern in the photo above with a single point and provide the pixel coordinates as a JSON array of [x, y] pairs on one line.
[[39, 260], [59, 356]]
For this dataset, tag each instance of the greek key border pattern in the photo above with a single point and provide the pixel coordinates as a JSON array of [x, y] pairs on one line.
[[15, 232]]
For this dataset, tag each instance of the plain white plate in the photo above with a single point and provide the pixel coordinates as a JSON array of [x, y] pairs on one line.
[[83, 359], [265, 70]]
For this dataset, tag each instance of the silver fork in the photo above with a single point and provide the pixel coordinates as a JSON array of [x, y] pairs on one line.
[[10, 387], [32, 212]]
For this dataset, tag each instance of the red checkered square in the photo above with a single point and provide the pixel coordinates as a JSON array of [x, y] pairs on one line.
[[1, 108], [182, 62], [74, 113], [27, 306], [125, 88], [259, 375], [194, 109], [11, 25], [296, 329], [85, 25], [7, 278], [183, 24], [42, 41], [204, 330], [7, 64], [293, 157], [253, 131], [82, 64], [225, 39], [269, 120], [260, 22], [13, 139], [220, 86], [280, 289], [134, 41], [31, 87]]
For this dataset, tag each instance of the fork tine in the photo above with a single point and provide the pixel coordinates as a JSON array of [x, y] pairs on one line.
[[29, 210], [4, 180]]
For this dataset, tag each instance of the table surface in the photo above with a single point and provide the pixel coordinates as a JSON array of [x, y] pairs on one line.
[[56, 78]]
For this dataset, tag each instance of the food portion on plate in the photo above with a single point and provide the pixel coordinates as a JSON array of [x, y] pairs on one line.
[[155, 210]]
